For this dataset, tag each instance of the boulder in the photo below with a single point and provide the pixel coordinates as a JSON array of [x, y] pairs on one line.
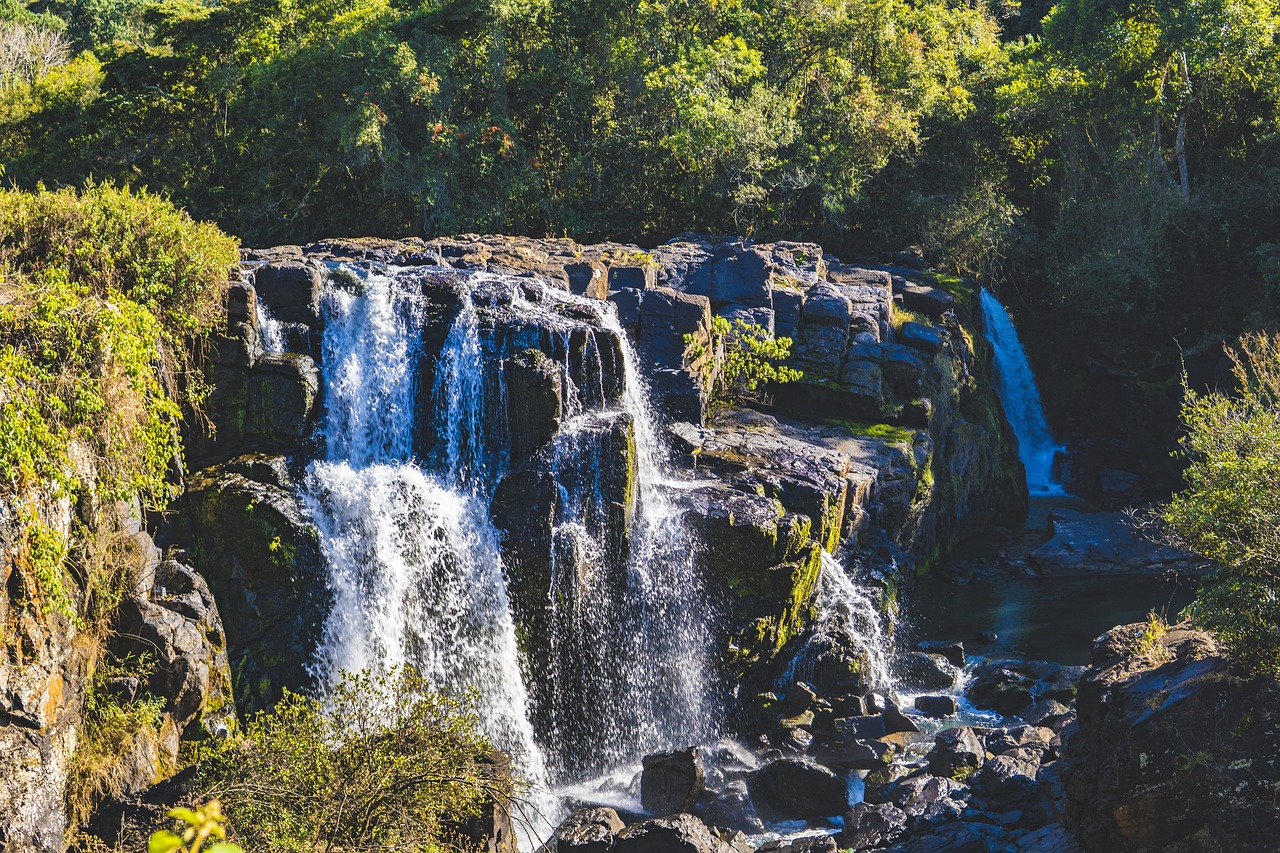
[[868, 826], [805, 844], [671, 782], [952, 650], [928, 339], [682, 833], [857, 754], [731, 807], [923, 298], [957, 753], [1172, 748], [743, 278], [176, 623], [283, 396], [936, 706], [588, 278], [796, 789], [588, 830], [925, 671], [291, 289]]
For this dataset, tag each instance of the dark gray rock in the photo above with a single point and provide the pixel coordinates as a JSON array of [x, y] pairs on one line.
[[868, 826], [283, 396], [682, 833], [957, 753], [795, 789], [929, 339], [925, 671], [291, 289], [535, 402], [936, 706], [924, 299], [671, 782], [952, 650], [588, 830]]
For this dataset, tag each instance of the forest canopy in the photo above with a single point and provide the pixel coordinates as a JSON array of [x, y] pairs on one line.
[[1115, 161]]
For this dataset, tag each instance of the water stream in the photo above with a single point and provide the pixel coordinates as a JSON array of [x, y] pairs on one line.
[[1020, 397]]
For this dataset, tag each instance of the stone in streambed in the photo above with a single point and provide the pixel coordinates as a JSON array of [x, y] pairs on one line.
[[952, 650], [936, 706], [925, 671], [672, 781], [588, 830], [794, 789], [681, 833], [957, 753]]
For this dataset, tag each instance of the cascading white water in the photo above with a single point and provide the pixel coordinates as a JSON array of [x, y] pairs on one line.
[[269, 329], [414, 565], [1021, 399], [414, 560], [845, 614]]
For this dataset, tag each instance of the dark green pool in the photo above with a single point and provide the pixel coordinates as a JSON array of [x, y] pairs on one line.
[[1052, 619]]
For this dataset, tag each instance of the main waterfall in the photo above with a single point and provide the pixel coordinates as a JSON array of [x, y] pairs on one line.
[[1021, 399], [416, 563]]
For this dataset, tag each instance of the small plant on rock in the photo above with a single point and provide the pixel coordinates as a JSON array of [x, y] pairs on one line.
[[751, 359]]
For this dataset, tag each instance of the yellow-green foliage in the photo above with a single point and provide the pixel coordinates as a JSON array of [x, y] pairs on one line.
[[751, 358], [203, 823], [382, 762], [97, 292], [113, 732], [1230, 509], [883, 432]]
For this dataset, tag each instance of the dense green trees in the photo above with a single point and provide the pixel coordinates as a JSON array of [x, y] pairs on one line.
[[1114, 160]]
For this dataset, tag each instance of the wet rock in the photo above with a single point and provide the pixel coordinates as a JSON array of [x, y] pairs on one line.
[[957, 753], [795, 789], [936, 706], [671, 781], [895, 721], [868, 826], [857, 755], [291, 289], [800, 698], [261, 558], [865, 727], [1084, 543], [589, 830], [534, 401], [959, 837], [731, 807], [682, 833], [1000, 688], [925, 671], [283, 395], [808, 844]]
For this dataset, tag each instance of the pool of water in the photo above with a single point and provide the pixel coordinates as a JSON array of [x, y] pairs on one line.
[[1054, 619]]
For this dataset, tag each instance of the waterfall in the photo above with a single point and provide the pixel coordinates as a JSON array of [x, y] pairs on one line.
[[269, 329], [845, 615], [1021, 399], [413, 560]]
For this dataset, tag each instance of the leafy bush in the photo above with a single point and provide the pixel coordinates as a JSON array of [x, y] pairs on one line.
[[381, 762], [750, 358], [203, 823], [1230, 509]]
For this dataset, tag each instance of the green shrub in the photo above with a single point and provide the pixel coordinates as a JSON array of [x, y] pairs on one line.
[[750, 359], [1230, 509], [381, 762]]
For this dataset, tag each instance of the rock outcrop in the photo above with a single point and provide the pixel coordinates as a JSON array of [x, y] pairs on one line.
[[1174, 751]]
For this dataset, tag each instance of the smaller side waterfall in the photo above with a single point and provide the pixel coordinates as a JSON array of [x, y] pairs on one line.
[[1021, 399]]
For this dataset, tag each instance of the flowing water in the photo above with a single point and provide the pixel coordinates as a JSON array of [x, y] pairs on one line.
[[1021, 399], [415, 562]]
